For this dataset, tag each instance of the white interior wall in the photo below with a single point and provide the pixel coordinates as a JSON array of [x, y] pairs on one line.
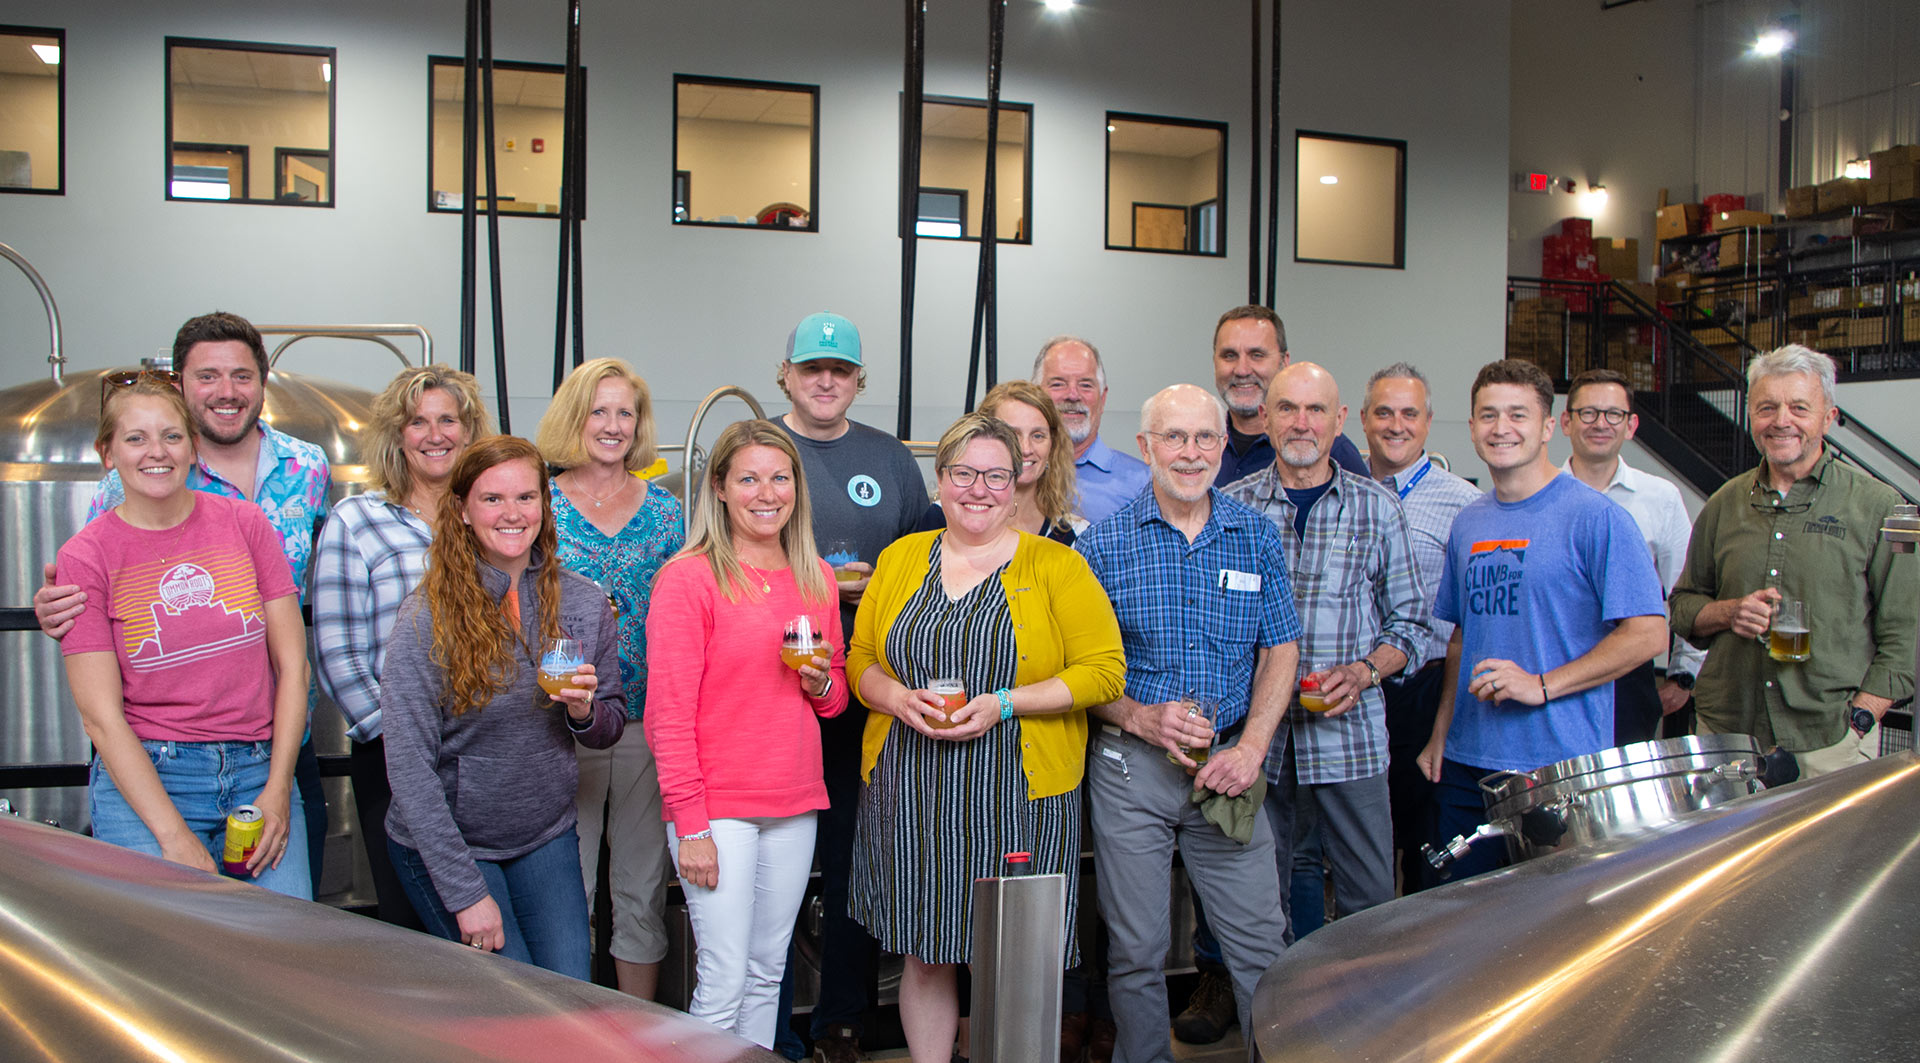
[[694, 307], [27, 108], [735, 169], [524, 175], [959, 162], [1605, 97], [258, 121]]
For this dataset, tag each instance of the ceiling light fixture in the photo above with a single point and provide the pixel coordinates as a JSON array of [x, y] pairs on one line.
[[48, 53], [1059, 5], [1329, 179], [326, 72], [1772, 42], [1859, 169]]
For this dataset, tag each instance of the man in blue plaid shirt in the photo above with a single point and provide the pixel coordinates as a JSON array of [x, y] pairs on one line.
[[1199, 584], [1363, 616]]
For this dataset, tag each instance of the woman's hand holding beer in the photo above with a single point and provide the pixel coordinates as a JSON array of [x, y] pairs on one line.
[[700, 862], [481, 926], [815, 674], [275, 804], [577, 696], [922, 710], [973, 719]]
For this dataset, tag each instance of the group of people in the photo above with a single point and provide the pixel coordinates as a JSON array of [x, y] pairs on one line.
[[1254, 645]]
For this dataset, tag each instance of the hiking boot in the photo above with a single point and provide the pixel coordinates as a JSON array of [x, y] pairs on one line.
[[1100, 1034], [1210, 1011], [840, 1044], [1073, 1036]]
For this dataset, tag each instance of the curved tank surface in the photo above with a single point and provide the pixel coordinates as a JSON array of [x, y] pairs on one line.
[[48, 470], [108, 955], [1778, 928]]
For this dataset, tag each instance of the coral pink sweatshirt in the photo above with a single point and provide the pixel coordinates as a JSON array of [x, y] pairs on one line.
[[732, 730]]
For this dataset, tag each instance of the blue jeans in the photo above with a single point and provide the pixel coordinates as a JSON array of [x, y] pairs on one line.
[[205, 780], [542, 904]]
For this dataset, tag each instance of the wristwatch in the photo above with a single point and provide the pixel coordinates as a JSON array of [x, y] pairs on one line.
[[1861, 719], [1683, 680]]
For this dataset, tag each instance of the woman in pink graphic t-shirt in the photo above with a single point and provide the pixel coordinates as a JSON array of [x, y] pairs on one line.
[[191, 679]]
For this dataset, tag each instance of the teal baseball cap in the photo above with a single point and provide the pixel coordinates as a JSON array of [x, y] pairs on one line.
[[824, 335]]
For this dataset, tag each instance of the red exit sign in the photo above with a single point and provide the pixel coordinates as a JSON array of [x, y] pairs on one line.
[[1532, 182]]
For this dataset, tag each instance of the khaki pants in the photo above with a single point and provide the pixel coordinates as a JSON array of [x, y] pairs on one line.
[[1850, 750]]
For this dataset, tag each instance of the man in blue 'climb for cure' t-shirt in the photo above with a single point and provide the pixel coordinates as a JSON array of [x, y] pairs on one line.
[[1554, 597]]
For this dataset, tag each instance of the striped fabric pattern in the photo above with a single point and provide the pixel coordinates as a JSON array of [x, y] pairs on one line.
[[937, 815]]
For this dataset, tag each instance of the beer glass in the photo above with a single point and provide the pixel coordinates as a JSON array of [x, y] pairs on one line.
[[840, 553], [802, 643], [953, 695], [1790, 640], [1206, 710], [560, 661]]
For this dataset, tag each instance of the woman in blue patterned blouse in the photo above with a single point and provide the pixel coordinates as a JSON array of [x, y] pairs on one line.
[[617, 529]]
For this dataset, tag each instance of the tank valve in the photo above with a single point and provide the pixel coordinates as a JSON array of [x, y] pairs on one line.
[[1459, 846], [1902, 529]]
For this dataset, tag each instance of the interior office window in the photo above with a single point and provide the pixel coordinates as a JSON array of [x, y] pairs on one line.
[[943, 213], [953, 159], [33, 94], [1350, 200], [745, 153], [230, 102], [1166, 184], [529, 127]]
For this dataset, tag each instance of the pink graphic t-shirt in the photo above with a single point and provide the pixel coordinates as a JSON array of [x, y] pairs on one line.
[[185, 615]]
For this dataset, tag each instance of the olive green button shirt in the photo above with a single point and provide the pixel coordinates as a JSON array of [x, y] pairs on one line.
[[1821, 544]]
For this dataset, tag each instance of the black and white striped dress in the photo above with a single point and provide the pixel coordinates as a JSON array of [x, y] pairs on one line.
[[937, 815]]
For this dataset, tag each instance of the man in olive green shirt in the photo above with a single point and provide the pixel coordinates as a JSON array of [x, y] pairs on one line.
[[1802, 525]]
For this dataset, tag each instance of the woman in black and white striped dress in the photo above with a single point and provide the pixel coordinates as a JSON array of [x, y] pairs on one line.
[[1022, 624]]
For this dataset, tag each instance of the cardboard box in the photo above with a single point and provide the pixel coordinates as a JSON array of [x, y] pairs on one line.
[[1867, 332], [1910, 323], [1740, 219], [1618, 259], [1901, 154], [1578, 228], [1833, 298], [1676, 220], [1841, 193], [1646, 292], [1903, 182], [1716, 204], [1673, 287], [1803, 201], [1879, 188]]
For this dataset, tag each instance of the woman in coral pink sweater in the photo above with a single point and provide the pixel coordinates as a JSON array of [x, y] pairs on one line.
[[732, 725]]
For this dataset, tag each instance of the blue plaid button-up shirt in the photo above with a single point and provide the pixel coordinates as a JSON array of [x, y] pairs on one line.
[[1193, 614], [1356, 588], [371, 553]]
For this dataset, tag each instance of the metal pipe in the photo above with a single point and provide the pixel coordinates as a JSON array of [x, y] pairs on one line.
[[498, 315], [54, 358], [1253, 160], [985, 316], [1273, 161], [469, 185], [374, 333], [914, 96], [690, 461]]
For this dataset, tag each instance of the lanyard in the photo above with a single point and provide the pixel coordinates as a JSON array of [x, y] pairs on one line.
[[1417, 477]]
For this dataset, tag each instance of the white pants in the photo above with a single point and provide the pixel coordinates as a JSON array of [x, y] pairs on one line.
[[742, 926]]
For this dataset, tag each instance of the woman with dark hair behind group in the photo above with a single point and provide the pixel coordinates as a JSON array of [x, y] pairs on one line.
[[479, 757], [617, 530], [1028, 634]]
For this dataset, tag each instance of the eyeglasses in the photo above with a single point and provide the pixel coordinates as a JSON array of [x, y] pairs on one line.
[[963, 476], [1761, 500], [126, 378], [1205, 439], [1590, 414]]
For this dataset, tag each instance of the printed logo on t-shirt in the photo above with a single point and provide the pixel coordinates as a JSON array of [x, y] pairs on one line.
[[864, 489], [189, 613], [1495, 568]]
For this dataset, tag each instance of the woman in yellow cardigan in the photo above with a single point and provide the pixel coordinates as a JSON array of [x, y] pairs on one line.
[[1028, 632]]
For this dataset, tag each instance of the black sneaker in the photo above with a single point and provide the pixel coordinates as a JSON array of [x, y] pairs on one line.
[[1210, 1011], [840, 1044]]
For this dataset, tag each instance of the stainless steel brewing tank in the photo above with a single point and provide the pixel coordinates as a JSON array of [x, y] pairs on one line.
[[48, 471]]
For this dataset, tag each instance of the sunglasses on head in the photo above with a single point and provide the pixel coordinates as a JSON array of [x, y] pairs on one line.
[[126, 378]]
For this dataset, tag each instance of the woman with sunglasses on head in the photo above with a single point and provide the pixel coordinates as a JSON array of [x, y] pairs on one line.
[[480, 756], [617, 530], [979, 648], [192, 680], [732, 702], [371, 553]]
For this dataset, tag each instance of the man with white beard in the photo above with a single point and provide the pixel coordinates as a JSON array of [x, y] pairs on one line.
[[1069, 368]]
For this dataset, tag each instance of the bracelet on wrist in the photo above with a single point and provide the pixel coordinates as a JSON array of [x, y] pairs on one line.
[[697, 835], [1006, 703], [1544, 696], [824, 691]]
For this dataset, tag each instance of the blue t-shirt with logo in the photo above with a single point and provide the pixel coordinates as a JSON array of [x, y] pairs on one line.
[[1540, 582]]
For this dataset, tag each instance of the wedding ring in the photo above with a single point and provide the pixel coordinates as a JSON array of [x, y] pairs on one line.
[[1495, 685], [478, 943]]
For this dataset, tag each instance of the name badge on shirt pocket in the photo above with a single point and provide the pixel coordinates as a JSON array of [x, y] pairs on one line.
[[1239, 581]]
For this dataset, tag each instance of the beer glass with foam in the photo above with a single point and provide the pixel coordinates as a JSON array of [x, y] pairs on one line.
[[1790, 639], [560, 661]]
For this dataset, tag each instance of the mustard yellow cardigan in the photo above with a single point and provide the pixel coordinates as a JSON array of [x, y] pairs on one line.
[[1063, 625]]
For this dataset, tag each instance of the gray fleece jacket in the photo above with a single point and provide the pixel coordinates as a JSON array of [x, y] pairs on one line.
[[497, 782]]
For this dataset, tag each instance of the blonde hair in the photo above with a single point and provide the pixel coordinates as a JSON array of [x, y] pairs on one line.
[[144, 386], [387, 469], [1054, 493], [710, 534], [566, 419]]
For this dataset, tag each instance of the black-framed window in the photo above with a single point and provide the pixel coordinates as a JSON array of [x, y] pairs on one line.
[[302, 176], [953, 158], [746, 154], [1166, 178], [943, 213], [279, 97], [33, 125], [1350, 200], [529, 124]]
